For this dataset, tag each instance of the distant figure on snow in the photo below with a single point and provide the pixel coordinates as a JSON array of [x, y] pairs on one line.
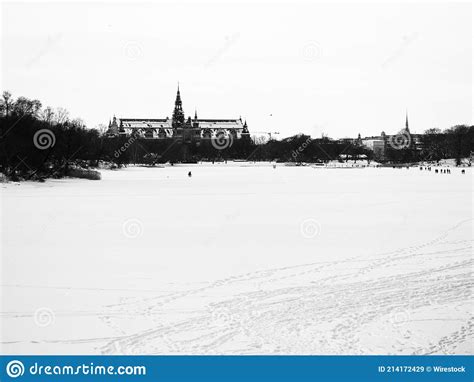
[[189, 174], [463, 171], [436, 171]]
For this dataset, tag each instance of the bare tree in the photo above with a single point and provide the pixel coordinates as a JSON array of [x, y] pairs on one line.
[[78, 122], [433, 131], [35, 107], [61, 115], [6, 102], [259, 139], [47, 114], [101, 128], [25, 106]]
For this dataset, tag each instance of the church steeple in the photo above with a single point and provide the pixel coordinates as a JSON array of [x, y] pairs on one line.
[[195, 121], [178, 114], [406, 122], [178, 99]]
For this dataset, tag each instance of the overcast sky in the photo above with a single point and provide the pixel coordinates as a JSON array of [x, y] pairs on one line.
[[291, 67]]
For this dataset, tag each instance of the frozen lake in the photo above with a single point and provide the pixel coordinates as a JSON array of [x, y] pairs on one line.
[[239, 259]]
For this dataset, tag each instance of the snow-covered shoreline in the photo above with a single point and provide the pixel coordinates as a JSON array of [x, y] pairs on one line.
[[353, 164]]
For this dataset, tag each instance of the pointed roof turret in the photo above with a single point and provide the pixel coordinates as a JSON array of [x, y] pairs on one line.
[[178, 114], [178, 96], [245, 130]]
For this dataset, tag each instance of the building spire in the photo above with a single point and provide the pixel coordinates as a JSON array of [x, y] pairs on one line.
[[178, 95], [406, 122], [178, 113]]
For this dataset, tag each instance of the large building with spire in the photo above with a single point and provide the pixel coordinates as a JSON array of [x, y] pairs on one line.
[[404, 139], [178, 127]]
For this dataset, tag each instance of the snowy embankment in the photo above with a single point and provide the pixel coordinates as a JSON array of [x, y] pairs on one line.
[[239, 260]]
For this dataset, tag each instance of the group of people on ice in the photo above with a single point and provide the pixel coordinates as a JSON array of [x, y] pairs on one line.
[[441, 171]]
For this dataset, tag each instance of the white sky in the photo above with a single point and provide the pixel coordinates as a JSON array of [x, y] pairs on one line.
[[291, 67]]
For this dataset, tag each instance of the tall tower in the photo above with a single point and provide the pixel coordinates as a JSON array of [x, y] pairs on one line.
[[178, 114], [195, 120], [406, 123], [245, 136]]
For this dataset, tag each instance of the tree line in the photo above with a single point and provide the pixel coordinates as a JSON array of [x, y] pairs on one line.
[[39, 142]]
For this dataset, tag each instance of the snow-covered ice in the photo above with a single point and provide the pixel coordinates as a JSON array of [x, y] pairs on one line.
[[239, 259]]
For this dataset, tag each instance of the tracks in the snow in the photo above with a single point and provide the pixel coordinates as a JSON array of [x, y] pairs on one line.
[[332, 307]]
